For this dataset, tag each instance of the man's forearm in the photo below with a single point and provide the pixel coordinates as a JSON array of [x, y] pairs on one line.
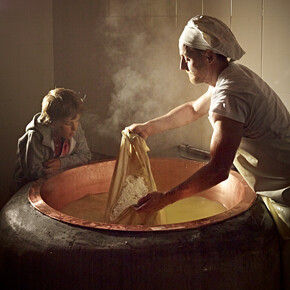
[[178, 117], [205, 178]]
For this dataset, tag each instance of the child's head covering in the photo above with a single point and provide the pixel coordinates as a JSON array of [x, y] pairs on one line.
[[206, 32]]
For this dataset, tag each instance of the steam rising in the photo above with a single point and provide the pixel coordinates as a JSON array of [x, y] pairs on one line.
[[146, 82]]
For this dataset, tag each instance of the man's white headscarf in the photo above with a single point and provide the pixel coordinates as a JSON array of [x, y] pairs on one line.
[[206, 32]]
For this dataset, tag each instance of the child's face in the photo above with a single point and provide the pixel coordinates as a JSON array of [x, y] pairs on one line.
[[66, 128]]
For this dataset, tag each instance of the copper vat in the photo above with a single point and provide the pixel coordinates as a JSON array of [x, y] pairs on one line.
[[235, 249], [51, 196]]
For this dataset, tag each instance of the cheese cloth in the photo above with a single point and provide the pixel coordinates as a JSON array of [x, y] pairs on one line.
[[132, 179], [206, 32]]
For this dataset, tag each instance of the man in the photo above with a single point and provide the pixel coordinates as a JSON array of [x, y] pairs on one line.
[[251, 126]]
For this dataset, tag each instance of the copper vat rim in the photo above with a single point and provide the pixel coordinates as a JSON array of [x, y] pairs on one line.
[[34, 197]]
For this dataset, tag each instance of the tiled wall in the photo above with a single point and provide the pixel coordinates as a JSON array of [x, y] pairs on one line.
[[125, 58], [123, 55]]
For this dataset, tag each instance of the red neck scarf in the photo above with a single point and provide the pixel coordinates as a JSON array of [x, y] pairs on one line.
[[61, 146]]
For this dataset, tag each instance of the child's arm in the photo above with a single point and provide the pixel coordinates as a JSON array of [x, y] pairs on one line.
[[32, 154], [51, 167], [80, 155]]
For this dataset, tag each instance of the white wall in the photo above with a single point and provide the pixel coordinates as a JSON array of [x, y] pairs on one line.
[[124, 56], [262, 28], [259, 25]]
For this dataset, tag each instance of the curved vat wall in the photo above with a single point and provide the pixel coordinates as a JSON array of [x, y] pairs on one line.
[[45, 249], [52, 195]]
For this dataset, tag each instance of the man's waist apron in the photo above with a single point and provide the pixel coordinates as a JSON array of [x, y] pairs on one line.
[[265, 165]]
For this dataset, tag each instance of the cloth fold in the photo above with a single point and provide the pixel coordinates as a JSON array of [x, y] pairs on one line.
[[281, 216], [132, 179]]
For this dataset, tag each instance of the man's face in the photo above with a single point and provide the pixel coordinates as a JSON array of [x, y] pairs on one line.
[[66, 128], [192, 61]]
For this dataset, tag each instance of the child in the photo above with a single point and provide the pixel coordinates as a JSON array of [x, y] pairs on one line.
[[54, 139]]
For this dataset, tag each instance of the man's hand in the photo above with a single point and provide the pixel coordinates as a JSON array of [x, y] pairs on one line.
[[152, 202], [140, 129]]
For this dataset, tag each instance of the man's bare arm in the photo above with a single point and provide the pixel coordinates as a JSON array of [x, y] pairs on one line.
[[224, 144], [178, 117]]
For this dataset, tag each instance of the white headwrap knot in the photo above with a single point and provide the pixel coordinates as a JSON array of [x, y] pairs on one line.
[[206, 32]]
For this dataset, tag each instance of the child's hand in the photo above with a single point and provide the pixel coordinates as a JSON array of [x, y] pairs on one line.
[[51, 167]]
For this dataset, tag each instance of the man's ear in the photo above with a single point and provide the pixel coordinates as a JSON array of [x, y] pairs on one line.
[[210, 56]]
